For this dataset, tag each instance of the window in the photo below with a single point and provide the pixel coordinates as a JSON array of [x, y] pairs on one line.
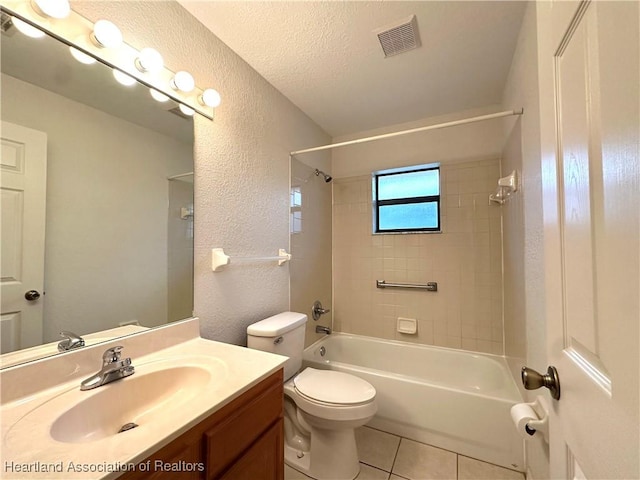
[[407, 200], [296, 210]]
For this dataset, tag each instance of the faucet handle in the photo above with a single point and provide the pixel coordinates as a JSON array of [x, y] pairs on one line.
[[317, 310], [70, 342], [70, 335], [112, 355]]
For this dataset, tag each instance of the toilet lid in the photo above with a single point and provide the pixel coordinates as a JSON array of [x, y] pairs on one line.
[[329, 386]]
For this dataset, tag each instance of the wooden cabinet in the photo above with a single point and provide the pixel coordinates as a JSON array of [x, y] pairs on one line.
[[242, 440], [262, 460]]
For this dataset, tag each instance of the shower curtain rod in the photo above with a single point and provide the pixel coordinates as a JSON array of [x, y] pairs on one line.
[[413, 130]]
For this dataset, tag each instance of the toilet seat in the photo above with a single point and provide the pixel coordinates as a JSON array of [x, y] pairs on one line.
[[329, 387], [361, 396]]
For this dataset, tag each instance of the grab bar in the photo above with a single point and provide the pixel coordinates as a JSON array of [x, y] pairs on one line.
[[429, 286]]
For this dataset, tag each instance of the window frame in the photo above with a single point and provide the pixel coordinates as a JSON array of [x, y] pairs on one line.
[[376, 204]]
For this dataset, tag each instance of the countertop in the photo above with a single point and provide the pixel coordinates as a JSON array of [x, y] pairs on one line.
[[29, 450]]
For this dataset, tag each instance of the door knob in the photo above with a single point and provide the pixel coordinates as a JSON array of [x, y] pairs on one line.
[[32, 295], [533, 380]]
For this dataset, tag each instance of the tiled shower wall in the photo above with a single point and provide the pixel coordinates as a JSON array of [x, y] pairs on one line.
[[465, 259]]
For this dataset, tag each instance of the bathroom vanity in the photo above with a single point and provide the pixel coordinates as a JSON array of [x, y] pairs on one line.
[[244, 439], [193, 409]]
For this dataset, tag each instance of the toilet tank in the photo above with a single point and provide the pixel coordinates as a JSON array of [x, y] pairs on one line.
[[282, 334]]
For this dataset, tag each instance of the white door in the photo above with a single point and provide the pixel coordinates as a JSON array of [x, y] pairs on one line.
[[591, 185], [23, 175]]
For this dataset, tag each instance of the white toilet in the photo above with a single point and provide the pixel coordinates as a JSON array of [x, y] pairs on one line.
[[322, 407]]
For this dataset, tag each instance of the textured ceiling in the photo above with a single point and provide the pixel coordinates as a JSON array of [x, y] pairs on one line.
[[325, 57]]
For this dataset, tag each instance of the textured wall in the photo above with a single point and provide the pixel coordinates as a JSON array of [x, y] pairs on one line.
[[465, 259], [241, 164], [524, 235]]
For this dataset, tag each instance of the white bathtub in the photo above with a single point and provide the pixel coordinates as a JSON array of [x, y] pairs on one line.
[[455, 400]]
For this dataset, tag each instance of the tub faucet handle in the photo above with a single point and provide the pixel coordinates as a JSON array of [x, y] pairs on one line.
[[317, 310]]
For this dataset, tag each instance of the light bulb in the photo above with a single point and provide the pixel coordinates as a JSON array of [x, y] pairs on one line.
[[160, 97], [81, 56], [183, 81], [26, 29], [186, 110], [210, 98], [149, 60], [106, 35], [123, 78], [51, 8]]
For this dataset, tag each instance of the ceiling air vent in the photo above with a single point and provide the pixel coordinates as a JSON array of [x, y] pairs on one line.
[[399, 37]]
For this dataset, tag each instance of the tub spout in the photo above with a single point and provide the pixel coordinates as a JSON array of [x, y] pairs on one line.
[[321, 329]]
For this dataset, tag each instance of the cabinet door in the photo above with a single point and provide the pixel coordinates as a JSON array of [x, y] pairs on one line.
[[263, 460], [239, 427], [180, 460]]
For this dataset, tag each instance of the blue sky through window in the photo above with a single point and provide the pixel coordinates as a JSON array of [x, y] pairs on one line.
[[410, 184], [408, 216], [407, 200]]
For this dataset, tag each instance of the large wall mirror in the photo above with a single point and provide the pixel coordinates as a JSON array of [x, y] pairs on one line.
[[113, 189]]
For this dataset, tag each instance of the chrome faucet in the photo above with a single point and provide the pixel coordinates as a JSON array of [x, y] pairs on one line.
[[113, 368], [71, 341], [321, 329]]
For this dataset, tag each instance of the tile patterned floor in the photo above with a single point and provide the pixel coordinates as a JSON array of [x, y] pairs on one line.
[[384, 456]]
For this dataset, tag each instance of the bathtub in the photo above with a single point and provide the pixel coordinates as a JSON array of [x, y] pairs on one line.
[[456, 400]]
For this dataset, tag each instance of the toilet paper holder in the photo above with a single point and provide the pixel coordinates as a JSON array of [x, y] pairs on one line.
[[539, 425]]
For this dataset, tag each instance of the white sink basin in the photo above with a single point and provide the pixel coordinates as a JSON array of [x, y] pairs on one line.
[[154, 394], [139, 399]]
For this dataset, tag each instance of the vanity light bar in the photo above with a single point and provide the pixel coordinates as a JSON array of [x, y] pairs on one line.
[[100, 41]]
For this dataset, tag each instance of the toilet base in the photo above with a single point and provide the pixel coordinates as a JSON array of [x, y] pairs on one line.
[[335, 456]]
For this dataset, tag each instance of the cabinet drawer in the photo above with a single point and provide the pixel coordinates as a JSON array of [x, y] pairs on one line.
[[229, 438]]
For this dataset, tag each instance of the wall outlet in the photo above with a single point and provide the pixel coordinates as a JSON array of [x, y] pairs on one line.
[[408, 326]]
